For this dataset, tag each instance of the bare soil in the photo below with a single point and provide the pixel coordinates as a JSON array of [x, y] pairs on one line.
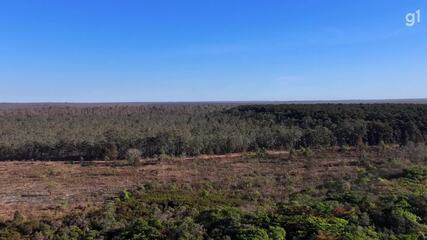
[[40, 189]]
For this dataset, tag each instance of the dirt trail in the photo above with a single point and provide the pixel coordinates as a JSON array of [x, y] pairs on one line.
[[233, 155]]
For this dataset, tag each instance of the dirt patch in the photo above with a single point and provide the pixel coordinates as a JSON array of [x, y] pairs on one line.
[[53, 189]]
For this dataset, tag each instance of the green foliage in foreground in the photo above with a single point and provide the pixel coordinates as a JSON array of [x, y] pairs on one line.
[[379, 207]]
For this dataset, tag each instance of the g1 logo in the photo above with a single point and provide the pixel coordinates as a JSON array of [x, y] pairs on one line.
[[413, 18]]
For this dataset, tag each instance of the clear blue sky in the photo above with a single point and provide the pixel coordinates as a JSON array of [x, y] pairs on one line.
[[210, 50]]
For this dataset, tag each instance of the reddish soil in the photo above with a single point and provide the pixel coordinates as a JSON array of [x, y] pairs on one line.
[[52, 189]]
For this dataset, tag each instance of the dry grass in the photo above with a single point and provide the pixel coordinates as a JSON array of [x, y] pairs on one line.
[[53, 189]]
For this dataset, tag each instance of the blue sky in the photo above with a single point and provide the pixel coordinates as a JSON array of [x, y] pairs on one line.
[[212, 50]]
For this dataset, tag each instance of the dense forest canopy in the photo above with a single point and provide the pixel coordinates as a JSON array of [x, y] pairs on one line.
[[56, 132]]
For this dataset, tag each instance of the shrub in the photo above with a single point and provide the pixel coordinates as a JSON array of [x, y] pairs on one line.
[[261, 153], [141, 229], [307, 152], [125, 195], [10, 234], [332, 225], [416, 173], [17, 218], [252, 233], [111, 152], [133, 156], [164, 157], [276, 233], [187, 230]]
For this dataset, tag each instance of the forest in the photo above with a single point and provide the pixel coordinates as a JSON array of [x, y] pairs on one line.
[[55, 132]]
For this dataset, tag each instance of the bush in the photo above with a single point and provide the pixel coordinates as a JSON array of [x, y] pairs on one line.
[[141, 229], [111, 153], [276, 233], [252, 233], [133, 156], [261, 153], [307, 152], [416, 173], [187, 230]]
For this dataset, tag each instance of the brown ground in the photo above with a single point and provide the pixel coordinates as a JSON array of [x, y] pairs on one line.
[[38, 189]]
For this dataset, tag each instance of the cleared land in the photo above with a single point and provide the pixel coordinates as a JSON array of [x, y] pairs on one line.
[[40, 189]]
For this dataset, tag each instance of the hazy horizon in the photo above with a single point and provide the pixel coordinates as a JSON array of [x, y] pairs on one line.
[[344, 101]]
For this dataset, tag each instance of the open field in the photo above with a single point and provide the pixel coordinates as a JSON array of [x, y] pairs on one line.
[[56, 188]]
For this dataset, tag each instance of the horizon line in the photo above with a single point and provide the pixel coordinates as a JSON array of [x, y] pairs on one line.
[[391, 100]]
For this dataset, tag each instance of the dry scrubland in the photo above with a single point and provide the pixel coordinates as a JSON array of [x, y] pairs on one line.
[[38, 189]]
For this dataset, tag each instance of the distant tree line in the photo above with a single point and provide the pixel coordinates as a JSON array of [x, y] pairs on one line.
[[107, 132], [344, 124]]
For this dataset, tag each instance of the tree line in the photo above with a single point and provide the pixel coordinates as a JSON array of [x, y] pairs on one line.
[[107, 132]]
